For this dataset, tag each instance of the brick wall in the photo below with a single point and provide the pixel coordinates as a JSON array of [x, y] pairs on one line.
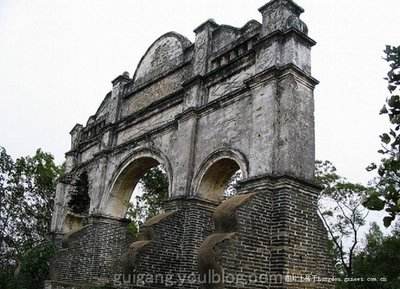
[[92, 253], [271, 230], [279, 236]]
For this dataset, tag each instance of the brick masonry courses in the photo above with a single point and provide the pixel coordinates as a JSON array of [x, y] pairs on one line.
[[236, 98]]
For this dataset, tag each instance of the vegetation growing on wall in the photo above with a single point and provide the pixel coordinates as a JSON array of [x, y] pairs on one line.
[[154, 184], [80, 200]]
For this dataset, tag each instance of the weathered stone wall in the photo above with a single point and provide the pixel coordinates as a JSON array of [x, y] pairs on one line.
[[230, 84], [236, 98], [142, 97]]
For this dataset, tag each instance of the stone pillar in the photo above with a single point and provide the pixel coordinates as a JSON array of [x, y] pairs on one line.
[[59, 208], [71, 155], [116, 94], [281, 15], [195, 94], [183, 168], [202, 46], [283, 92], [285, 37]]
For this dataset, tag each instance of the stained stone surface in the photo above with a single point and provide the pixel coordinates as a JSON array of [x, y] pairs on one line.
[[236, 98]]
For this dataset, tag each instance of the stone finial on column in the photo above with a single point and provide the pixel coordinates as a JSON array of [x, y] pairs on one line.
[[202, 46], [195, 95], [285, 34], [123, 78], [282, 15], [118, 85], [75, 135]]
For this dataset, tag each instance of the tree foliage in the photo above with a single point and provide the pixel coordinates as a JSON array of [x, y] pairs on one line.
[[154, 187], [27, 189], [340, 206], [33, 267], [388, 181], [378, 263], [230, 189]]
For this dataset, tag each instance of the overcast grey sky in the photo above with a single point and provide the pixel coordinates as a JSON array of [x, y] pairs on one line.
[[58, 57]]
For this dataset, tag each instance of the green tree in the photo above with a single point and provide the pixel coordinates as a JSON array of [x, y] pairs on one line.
[[378, 263], [33, 266], [340, 206], [27, 189], [154, 185], [388, 181], [230, 189], [374, 239]]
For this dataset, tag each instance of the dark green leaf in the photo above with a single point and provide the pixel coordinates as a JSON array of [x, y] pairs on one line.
[[387, 221], [385, 138], [383, 110], [373, 202]]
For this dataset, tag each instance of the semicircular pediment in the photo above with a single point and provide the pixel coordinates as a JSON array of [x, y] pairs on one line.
[[165, 54]]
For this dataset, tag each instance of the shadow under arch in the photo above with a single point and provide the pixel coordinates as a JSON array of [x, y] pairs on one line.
[[127, 175], [216, 171]]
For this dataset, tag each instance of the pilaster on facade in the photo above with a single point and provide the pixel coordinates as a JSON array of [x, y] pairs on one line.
[[238, 99]]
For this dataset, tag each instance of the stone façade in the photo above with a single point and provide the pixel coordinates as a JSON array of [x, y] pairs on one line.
[[236, 98]]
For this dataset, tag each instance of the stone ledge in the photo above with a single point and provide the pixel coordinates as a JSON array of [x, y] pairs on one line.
[[278, 181], [278, 71]]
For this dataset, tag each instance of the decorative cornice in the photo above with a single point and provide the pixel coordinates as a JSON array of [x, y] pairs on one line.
[[288, 3], [158, 106], [76, 127], [276, 72], [278, 182], [210, 23], [178, 202], [287, 33], [121, 78]]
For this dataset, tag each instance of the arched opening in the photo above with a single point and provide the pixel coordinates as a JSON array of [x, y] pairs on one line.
[[78, 204], [148, 197], [220, 179], [144, 178]]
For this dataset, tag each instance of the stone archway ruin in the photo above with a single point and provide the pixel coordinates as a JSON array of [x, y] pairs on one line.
[[114, 202], [235, 98]]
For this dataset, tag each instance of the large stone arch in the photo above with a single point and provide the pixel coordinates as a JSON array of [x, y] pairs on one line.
[[216, 170], [189, 105], [127, 175]]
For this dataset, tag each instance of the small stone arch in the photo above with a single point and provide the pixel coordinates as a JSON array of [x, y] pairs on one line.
[[127, 175], [79, 202], [214, 173], [78, 206]]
